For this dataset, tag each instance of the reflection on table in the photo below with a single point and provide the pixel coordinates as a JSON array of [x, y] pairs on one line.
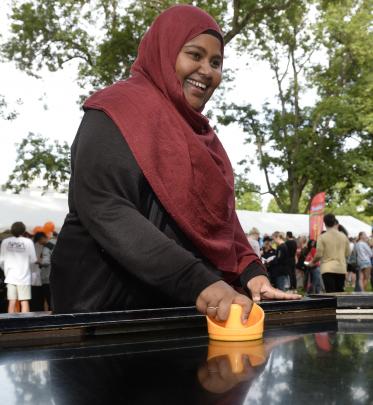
[[305, 368]]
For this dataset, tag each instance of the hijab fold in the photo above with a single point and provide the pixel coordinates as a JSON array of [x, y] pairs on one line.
[[174, 145]]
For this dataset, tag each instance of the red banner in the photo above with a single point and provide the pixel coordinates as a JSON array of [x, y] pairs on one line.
[[317, 215]]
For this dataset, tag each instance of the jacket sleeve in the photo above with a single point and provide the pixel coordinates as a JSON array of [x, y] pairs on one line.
[[107, 192]]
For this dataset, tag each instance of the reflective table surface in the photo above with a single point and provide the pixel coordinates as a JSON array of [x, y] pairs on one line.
[[318, 363]]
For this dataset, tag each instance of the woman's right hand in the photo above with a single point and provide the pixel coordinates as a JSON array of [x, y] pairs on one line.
[[215, 301]]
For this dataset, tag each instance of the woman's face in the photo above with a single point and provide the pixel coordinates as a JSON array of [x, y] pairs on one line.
[[199, 69]]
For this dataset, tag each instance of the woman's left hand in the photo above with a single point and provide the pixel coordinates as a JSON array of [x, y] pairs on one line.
[[261, 288]]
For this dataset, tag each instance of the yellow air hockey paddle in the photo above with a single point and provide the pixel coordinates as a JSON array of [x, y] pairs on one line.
[[232, 330]]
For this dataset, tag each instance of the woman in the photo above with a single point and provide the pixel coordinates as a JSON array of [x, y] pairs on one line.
[[281, 264], [152, 219], [313, 279], [267, 255], [363, 255]]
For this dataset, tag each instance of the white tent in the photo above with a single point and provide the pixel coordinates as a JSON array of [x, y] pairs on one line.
[[35, 209], [269, 222], [32, 208]]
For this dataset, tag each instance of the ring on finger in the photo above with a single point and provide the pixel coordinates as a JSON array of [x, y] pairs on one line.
[[212, 307]]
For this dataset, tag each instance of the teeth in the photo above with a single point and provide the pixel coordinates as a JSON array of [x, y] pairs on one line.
[[197, 84]]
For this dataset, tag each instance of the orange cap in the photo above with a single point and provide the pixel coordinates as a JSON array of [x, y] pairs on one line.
[[233, 329]]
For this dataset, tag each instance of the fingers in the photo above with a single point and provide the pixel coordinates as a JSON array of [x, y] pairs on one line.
[[256, 296], [224, 309], [215, 301], [290, 296], [212, 311], [274, 293], [246, 305]]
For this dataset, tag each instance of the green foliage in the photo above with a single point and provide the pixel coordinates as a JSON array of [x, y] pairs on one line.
[[323, 47], [247, 194], [304, 148], [273, 207], [103, 35], [5, 113], [357, 204], [39, 159]]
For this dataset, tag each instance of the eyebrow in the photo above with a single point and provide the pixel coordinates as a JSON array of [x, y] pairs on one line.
[[202, 50]]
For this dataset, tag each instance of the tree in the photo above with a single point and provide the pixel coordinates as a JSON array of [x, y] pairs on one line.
[[5, 113], [247, 194], [304, 148], [357, 204], [102, 36], [38, 159]]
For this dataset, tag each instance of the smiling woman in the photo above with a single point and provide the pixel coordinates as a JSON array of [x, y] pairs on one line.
[[152, 219], [199, 69]]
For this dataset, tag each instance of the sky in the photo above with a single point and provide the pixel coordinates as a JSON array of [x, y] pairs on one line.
[[49, 107]]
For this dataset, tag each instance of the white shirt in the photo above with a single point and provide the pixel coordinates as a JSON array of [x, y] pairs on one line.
[[16, 256], [363, 250]]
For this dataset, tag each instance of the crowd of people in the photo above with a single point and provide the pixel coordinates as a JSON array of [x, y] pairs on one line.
[[330, 264], [25, 265]]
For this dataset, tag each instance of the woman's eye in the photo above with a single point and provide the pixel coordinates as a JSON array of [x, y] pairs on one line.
[[195, 55], [216, 64]]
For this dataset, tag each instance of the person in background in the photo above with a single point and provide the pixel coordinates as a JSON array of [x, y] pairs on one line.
[[332, 250], [37, 301], [292, 246], [363, 258], [342, 229], [301, 244], [253, 238], [268, 253], [45, 267], [300, 269], [352, 270], [313, 276], [17, 253], [281, 264]]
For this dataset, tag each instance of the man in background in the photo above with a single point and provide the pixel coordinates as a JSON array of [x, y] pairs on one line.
[[292, 246], [332, 250], [17, 253]]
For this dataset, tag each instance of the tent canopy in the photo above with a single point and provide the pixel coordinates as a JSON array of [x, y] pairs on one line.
[[269, 222], [32, 208], [35, 209]]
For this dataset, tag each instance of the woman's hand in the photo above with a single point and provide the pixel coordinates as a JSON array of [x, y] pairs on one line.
[[215, 301], [260, 287]]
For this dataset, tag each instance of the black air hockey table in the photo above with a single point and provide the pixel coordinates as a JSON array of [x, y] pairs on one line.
[[317, 350]]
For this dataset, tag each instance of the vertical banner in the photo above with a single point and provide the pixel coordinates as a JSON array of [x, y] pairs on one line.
[[317, 215]]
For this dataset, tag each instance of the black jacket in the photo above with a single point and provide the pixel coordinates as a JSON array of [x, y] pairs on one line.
[[282, 264], [118, 248]]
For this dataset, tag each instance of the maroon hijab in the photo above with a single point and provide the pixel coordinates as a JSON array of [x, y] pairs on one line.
[[178, 152]]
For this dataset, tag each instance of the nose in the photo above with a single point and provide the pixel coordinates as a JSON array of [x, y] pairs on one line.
[[205, 68]]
